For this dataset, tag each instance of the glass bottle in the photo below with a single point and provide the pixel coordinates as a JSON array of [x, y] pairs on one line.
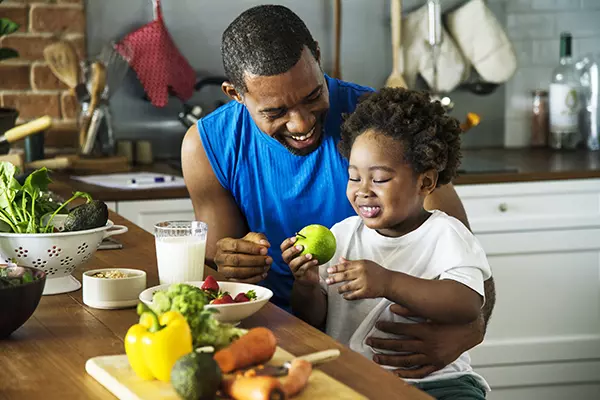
[[564, 99]]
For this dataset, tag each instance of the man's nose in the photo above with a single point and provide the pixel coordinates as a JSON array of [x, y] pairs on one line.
[[301, 121]]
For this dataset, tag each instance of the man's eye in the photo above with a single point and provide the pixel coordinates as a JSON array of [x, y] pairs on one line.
[[274, 116], [314, 97]]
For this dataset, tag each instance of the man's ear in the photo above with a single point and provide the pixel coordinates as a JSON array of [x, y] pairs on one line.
[[318, 56], [428, 181], [230, 91]]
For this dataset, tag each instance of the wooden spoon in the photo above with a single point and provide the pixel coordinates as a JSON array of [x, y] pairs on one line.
[[98, 84], [63, 62], [396, 79]]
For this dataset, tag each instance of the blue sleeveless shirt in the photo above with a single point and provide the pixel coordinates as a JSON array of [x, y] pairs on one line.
[[278, 192]]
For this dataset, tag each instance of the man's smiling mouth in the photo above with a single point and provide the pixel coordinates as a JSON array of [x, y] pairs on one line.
[[305, 137]]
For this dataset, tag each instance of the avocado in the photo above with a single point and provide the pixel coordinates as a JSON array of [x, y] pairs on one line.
[[93, 214], [196, 376]]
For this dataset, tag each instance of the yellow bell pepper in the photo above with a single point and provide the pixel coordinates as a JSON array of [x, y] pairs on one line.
[[156, 343]]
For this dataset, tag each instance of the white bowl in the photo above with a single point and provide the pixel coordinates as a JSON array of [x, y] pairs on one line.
[[108, 294], [57, 254], [230, 313]]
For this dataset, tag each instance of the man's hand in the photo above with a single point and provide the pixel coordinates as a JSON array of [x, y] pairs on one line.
[[303, 267], [432, 346], [244, 260], [363, 279]]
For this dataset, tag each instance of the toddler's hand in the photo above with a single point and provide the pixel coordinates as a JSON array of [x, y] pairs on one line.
[[303, 267], [362, 279]]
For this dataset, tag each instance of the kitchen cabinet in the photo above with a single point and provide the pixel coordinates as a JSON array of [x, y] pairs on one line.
[[543, 244], [148, 212]]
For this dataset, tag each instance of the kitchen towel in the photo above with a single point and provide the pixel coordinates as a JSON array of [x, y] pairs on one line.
[[417, 56], [483, 41]]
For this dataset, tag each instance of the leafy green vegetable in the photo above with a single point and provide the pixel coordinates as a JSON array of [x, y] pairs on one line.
[[23, 207], [190, 301], [13, 275]]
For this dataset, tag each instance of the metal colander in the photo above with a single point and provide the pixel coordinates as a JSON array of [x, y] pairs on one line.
[[57, 254]]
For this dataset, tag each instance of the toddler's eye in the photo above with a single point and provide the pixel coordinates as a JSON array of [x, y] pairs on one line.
[[381, 181]]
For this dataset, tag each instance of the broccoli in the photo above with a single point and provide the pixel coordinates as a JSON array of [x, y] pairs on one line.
[[190, 301]]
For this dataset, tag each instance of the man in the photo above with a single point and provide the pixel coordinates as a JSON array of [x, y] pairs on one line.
[[265, 165]]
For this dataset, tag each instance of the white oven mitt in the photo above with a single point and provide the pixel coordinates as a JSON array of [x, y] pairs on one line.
[[483, 41], [417, 55]]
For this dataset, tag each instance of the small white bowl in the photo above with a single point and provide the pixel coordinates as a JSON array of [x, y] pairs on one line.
[[108, 294], [231, 313]]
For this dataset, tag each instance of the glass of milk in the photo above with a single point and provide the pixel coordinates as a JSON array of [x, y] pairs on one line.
[[180, 251]]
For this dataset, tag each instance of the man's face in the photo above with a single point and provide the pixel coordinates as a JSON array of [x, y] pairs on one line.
[[290, 107]]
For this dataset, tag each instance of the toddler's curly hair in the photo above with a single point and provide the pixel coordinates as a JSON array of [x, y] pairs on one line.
[[431, 138]]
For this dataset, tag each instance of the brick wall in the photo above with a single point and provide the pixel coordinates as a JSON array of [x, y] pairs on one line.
[[534, 27], [26, 83]]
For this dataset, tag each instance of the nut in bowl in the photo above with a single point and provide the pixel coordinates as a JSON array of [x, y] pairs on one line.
[[229, 312], [113, 288]]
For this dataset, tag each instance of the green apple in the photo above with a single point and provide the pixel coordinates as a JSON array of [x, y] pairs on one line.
[[318, 241]]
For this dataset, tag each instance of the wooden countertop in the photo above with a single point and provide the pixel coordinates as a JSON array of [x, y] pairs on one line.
[[45, 358], [526, 165]]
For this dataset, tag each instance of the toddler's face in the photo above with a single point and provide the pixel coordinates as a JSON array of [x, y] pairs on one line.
[[382, 187]]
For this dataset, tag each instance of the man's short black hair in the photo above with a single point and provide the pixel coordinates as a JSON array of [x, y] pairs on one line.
[[431, 138], [264, 40]]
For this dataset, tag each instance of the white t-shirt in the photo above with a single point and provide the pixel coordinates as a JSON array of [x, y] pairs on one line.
[[442, 247]]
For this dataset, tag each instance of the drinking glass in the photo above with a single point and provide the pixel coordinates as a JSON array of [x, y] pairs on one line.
[[180, 250]]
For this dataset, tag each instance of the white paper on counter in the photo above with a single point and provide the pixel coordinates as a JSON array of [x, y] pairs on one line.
[[122, 181]]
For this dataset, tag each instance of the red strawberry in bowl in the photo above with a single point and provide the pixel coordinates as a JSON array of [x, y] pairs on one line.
[[210, 284], [241, 298], [225, 299]]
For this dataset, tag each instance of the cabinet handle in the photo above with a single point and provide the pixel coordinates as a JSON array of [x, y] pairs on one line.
[[503, 207]]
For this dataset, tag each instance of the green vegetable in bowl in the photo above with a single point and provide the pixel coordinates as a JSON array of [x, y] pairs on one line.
[[190, 301], [13, 275], [22, 207]]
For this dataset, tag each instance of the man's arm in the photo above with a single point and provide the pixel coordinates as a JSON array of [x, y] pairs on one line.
[[212, 203], [446, 199]]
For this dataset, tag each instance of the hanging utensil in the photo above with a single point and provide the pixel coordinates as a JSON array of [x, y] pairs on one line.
[[337, 22], [396, 79], [63, 62], [434, 38]]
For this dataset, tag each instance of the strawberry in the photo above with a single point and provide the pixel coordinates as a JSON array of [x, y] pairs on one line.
[[210, 284], [241, 298], [225, 299]]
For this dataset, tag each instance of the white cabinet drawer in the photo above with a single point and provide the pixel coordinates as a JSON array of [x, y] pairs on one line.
[[532, 205]]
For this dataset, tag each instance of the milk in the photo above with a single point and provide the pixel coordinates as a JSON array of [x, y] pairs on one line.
[[180, 259]]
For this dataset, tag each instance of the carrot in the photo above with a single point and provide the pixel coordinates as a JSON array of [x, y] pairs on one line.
[[253, 388], [255, 347], [297, 377]]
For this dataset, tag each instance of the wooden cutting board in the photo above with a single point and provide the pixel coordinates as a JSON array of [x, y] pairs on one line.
[[115, 374]]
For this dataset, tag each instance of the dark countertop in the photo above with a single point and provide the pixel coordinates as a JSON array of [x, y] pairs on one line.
[[525, 165], [482, 166]]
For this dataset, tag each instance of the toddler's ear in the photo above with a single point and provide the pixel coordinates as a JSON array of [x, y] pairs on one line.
[[428, 181]]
